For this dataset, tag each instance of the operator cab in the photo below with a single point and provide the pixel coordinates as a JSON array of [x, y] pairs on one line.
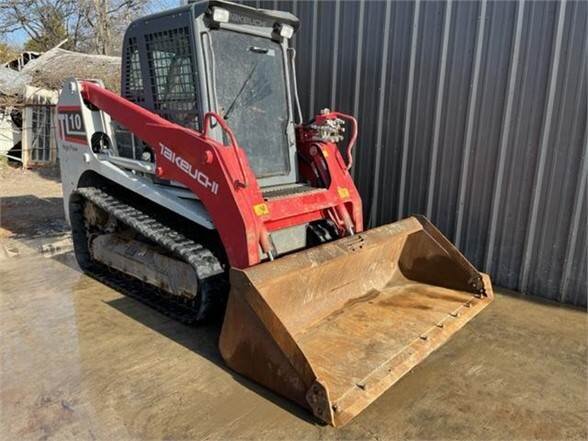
[[222, 57]]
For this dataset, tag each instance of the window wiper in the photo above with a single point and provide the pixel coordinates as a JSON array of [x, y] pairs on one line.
[[232, 106]]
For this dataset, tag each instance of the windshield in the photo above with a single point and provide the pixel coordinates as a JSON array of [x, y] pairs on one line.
[[251, 95]]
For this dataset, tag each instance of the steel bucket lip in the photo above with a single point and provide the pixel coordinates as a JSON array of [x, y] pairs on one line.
[[356, 399]]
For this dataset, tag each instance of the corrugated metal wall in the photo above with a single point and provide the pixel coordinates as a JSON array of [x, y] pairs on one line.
[[473, 113]]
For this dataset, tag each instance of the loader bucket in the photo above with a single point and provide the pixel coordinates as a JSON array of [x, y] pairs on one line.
[[333, 327]]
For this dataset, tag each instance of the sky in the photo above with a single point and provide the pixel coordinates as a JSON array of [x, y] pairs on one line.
[[18, 38]]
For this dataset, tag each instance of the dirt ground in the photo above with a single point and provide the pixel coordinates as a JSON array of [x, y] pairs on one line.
[[80, 361], [31, 212]]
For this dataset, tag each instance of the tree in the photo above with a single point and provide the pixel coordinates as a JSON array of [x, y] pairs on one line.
[[54, 32], [7, 53], [89, 25], [46, 22], [108, 19]]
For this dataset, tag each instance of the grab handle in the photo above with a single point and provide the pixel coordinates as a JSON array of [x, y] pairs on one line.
[[220, 120]]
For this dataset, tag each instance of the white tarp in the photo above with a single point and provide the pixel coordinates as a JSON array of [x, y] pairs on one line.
[[10, 134]]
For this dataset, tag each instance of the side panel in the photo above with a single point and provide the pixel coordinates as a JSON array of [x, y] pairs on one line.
[[76, 158]]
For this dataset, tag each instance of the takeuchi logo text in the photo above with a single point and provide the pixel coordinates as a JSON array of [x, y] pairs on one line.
[[187, 168]]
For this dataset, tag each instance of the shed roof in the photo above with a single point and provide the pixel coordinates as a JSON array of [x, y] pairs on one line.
[[56, 65]]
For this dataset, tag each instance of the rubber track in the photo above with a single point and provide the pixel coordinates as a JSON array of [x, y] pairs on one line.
[[212, 282]]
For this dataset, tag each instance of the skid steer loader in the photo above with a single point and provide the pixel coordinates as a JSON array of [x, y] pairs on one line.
[[200, 189]]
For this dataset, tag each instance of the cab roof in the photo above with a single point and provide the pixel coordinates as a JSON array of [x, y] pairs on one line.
[[246, 14]]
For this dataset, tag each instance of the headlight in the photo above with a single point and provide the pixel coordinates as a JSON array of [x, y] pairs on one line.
[[286, 31], [220, 15]]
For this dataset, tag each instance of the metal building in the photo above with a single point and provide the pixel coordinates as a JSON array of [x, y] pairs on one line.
[[473, 113]]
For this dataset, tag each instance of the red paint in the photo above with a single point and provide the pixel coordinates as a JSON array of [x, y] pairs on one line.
[[69, 109], [208, 157], [75, 140], [220, 176]]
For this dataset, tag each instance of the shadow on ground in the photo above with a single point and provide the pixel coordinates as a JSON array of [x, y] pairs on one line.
[[31, 217]]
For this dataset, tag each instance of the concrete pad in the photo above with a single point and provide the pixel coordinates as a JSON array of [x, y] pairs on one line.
[[81, 361]]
